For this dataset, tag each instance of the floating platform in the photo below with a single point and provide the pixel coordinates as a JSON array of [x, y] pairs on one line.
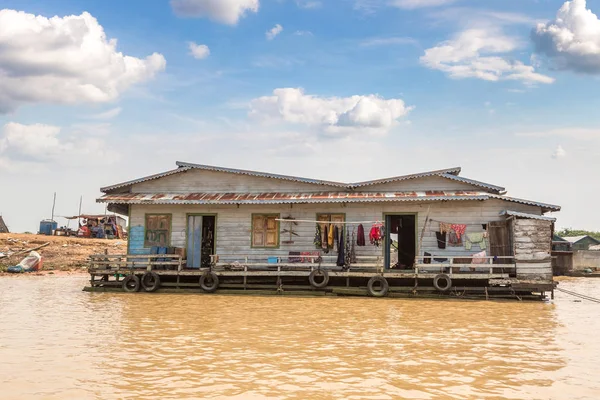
[[165, 273]]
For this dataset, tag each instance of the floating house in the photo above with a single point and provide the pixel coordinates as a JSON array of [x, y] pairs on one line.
[[218, 229]]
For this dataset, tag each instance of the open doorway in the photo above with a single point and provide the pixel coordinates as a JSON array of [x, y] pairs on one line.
[[200, 240], [401, 241]]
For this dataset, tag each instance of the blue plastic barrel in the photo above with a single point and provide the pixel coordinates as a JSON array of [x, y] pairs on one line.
[[47, 226]]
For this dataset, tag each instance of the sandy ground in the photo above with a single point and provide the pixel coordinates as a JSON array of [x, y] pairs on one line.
[[63, 256]]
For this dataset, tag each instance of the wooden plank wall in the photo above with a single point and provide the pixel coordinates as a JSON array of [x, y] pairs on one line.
[[533, 246], [234, 224]]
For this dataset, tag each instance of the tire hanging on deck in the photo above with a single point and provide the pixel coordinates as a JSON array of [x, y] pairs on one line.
[[131, 283], [150, 281], [447, 282], [209, 282], [318, 273], [382, 291]]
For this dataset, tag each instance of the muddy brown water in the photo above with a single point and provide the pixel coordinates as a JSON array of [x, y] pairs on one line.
[[57, 342]]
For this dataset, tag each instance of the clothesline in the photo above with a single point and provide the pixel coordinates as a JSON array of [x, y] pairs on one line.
[[457, 223], [329, 222]]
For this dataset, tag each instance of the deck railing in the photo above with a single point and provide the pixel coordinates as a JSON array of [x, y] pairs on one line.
[[148, 262]]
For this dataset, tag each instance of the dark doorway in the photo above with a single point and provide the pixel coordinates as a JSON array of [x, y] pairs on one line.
[[401, 240], [200, 240]]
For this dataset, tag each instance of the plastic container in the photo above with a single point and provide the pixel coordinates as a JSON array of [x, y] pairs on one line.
[[47, 226]]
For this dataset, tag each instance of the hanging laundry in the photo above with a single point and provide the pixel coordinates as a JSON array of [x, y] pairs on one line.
[[444, 227], [360, 236], [330, 237], [325, 239], [336, 238], [459, 229], [317, 239], [480, 258], [475, 238], [347, 246], [341, 258], [375, 235], [454, 240], [353, 249], [441, 239]]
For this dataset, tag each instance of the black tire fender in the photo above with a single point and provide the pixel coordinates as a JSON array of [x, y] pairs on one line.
[[150, 281], [383, 291], [131, 284], [209, 282], [446, 279], [318, 273]]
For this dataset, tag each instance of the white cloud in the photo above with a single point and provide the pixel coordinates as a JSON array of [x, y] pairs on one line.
[[109, 114], [64, 60], [303, 33], [40, 143], [559, 152], [198, 51], [224, 11], [332, 114], [572, 40], [413, 4], [309, 4], [274, 31], [482, 54], [388, 41]]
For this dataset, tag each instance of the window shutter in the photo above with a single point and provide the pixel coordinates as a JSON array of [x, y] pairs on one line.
[[258, 231], [271, 232]]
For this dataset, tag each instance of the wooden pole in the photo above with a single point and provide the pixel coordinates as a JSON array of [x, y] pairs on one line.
[[422, 234], [53, 204]]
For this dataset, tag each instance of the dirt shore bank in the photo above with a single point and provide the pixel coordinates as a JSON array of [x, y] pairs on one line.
[[63, 256]]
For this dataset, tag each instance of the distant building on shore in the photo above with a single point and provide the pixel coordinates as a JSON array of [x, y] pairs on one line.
[[582, 242]]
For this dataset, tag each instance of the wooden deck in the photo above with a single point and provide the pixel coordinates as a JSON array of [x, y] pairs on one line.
[[252, 275]]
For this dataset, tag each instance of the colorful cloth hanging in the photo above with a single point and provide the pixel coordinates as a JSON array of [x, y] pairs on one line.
[[317, 240], [330, 237], [376, 234], [445, 227], [475, 238], [459, 229]]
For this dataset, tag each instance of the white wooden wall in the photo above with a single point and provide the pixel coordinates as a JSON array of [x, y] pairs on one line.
[[234, 224]]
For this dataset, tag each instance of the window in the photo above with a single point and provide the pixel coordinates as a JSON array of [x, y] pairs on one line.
[[158, 230], [265, 230], [327, 220]]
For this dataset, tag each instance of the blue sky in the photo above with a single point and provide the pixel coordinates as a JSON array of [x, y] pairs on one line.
[[342, 90]]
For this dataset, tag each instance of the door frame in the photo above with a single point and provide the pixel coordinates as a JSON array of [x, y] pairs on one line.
[[187, 215], [386, 244]]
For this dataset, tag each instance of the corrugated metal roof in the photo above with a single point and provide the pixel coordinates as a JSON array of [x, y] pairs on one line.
[[528, 216], [449, 173], [497, 189], [575, 239], [261, 174], [440, 172], [295, 198], [144, 179], [285, 198], [544, 206]]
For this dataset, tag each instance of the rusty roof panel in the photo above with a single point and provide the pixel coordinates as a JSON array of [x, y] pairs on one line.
[[297, 198], [281, 198]]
